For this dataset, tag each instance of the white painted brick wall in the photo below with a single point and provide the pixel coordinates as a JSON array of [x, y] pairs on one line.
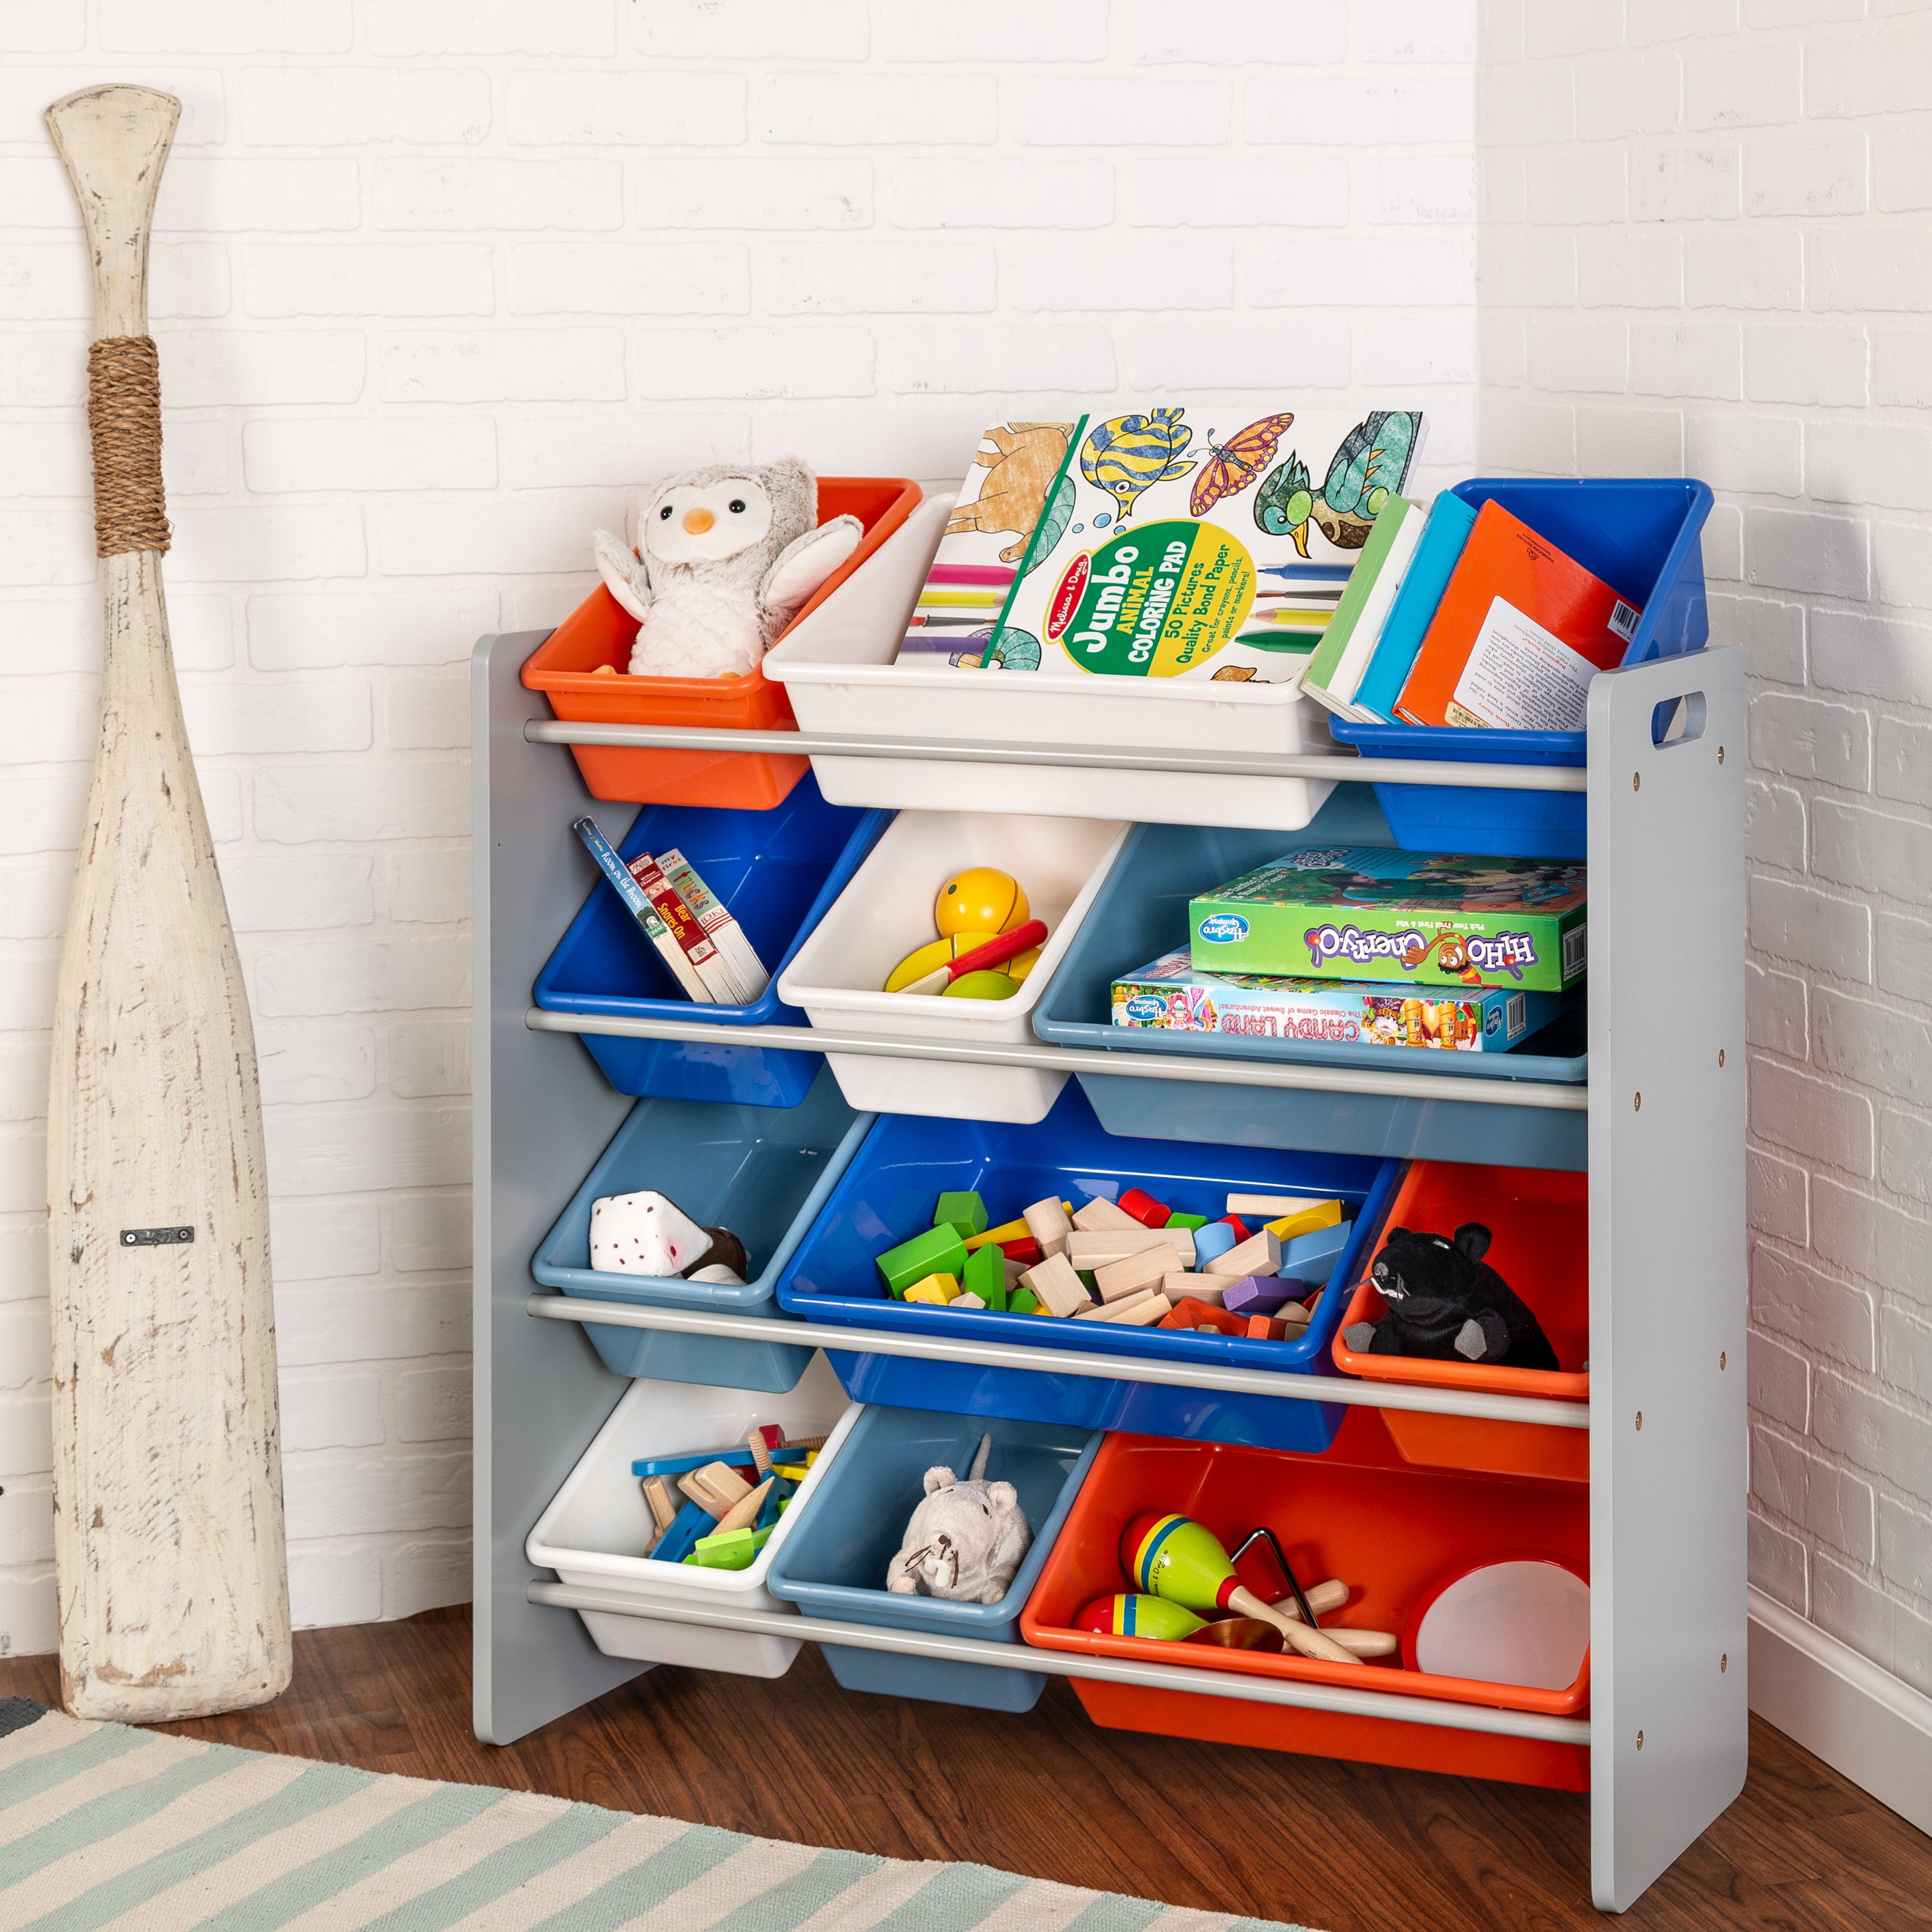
[[1770, 265], [435, 281]]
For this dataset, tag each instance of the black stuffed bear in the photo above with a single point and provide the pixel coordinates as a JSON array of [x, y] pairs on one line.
[[1444, 1302]]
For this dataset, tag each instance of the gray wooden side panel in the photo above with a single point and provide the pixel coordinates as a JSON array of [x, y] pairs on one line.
[[1666, 1269], [543, 1114]]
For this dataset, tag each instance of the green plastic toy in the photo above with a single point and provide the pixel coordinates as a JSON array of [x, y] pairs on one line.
[[729, 1550]]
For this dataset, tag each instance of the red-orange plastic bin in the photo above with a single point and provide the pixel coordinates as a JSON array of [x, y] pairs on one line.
[[1540, 1223], [1358, 1512], [567, 668]]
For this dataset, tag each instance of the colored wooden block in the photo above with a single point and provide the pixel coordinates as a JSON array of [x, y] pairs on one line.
[[693, 1521], [1133, 1273], [1263, 1328], [1306, 1220], [681, 1466], [1022, 1301], [1048, 1223], [1056, 1286], [1025, 1252], [962, 1211], [1099, 1213], [1144, 1208], [729, 1550], [1191, 1221], [1211, 1242], [1181, 1314], [716, 1488], [985, 1276], [936, 1289], [775, 1499], [992, 1238], [1260, 1294], [1313, 1256], [937, 1251], [1259, 1254]]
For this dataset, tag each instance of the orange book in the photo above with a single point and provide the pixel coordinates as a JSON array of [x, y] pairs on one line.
[[1519, 633]]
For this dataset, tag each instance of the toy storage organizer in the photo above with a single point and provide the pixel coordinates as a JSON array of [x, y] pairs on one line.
[[1645, 1115]]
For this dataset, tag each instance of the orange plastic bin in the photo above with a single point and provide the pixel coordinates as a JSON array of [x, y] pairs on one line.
[[1540, 1223], [1358, 1513], [568, 667]]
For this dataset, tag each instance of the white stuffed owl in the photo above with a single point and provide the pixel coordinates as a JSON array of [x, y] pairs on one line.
[[724, 557]]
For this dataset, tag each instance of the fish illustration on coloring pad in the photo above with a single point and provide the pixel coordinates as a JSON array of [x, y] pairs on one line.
[[1126, 454]]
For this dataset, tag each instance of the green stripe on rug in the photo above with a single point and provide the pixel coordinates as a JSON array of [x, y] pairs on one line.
[[1110, 1913], [99, 1819], [800, 1897], [20, 1782], [489, 1879], [955, 1899], [446, 1809], [317, 1788], [685, 1860]]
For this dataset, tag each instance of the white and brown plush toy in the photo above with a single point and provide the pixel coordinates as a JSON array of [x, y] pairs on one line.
[[724, 557], [966, 1540], [645, 1234]]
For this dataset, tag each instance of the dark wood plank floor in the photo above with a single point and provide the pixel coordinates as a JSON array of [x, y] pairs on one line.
[[1346, 1848]]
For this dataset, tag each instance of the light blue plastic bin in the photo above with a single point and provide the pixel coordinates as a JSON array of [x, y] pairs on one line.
[[763, 1172], [1140, 912], [1641, 535], [833, 1564]]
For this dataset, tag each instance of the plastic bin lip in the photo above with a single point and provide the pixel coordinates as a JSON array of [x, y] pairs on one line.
[[763, 1011], [930, 1013], [799, 657], [1307, 1355], [673, 1292], [647, 1579], [938, 1612]]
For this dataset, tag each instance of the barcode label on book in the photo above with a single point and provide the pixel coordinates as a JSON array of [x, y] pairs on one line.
[[1517, 1010], [1575, 951], [1624, 619]]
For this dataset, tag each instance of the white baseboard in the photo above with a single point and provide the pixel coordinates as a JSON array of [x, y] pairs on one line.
[[1843, 1708]]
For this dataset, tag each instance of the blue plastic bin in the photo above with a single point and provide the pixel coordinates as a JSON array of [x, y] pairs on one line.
[[1641, 535], [833, 1564], [1140, 912], [886, 1196], [777, 872], [762, 1172]]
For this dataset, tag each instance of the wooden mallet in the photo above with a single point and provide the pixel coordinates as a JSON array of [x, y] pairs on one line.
[[169, 1557]]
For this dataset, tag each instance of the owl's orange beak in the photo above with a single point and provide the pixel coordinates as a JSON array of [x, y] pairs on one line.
[[696, 522]]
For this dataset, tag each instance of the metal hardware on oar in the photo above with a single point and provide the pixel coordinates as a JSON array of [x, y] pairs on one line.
[[155, 1238]]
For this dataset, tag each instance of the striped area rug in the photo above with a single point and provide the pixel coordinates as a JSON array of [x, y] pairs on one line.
[[104, 1828]]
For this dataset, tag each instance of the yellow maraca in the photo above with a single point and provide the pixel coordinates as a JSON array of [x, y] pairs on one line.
[[1172, 1557]]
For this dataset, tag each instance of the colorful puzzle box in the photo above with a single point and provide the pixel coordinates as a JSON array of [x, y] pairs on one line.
[[1172, 992], [1374, 913]]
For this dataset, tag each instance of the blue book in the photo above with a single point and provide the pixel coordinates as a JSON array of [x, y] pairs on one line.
[[1450, 520]]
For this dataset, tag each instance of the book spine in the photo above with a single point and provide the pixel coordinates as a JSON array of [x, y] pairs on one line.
[[723, 931], [638, 902], [687, 935]]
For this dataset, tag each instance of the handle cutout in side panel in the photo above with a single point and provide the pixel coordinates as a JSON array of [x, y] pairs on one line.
[[1678, 721]]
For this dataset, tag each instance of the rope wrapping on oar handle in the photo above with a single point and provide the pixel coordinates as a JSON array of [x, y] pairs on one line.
[[124, 419]]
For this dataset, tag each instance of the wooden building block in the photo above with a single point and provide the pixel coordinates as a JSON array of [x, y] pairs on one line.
[[992, 1238], [1022, 1301], [716, 1489], [1099, 1213], [1192, 1222], [744, 1513], [1139, 1314], [1204, 1287], [965, 1298], [937, 1251], [1025, 1252], [1259, 1254], [1133, 1273], [935, 1289], [1308, 1220], [1263, 1328], [963, 1211], [1094, 1250], [1047, 1222], [1144, 1208], [985, 1276], [1056, 1286], [1267, 1207]]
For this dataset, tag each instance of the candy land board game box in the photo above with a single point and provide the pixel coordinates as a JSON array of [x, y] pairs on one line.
[[1372, 912], [1171, 992]]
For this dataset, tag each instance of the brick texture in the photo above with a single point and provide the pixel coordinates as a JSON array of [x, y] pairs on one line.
[[435, 282], [1706, 242]]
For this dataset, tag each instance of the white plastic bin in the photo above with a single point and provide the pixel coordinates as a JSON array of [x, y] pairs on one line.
[[598, 1521], [838, 669], [887, 911]]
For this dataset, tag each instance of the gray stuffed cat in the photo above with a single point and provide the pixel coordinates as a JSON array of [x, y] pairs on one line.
[[966, 1540], [724, 557]]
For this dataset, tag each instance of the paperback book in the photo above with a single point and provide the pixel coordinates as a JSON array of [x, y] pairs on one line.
[[1156, 544]]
